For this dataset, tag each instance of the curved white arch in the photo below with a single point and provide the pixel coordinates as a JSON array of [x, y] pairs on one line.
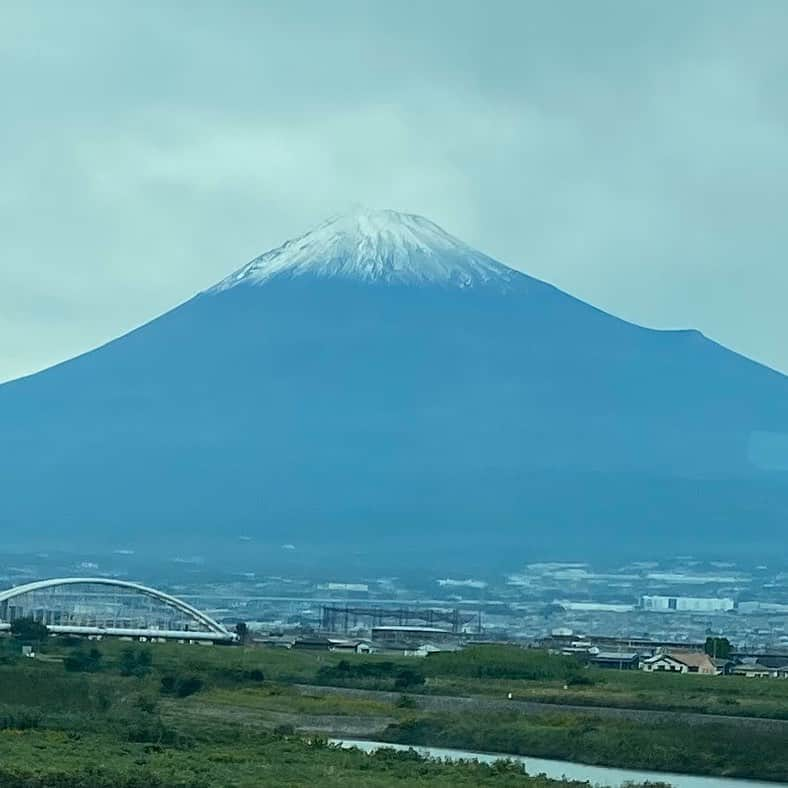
[[167, 599]]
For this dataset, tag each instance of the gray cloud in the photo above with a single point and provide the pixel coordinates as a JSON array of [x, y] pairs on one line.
[[635, 154]]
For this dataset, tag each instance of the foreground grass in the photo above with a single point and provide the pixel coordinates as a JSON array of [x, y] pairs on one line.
[[241, 712], [54, 759]]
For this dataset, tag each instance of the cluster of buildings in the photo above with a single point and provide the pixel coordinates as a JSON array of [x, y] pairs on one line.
[[666, 657], [407, 640]]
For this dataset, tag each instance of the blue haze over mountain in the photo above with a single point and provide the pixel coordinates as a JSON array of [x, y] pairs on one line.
[[378, 388]]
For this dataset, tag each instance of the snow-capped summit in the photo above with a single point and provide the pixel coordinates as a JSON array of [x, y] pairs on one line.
[[377, 246]]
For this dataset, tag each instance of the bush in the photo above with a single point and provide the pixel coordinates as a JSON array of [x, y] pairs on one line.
[[20, 720], [406, 677], [376, 674], [135, 662], [29, 630], [84, 661], [188, 686], [406, 702], [503, 662], [181, 686], [146, 704], [579, 680], [147, 730]]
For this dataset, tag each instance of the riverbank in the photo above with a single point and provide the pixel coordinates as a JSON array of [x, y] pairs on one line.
[[615, 778]]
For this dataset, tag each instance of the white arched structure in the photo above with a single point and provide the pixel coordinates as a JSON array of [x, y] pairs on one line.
[[215, 630]]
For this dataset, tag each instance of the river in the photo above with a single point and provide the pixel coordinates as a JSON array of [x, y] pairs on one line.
[[596, 775]]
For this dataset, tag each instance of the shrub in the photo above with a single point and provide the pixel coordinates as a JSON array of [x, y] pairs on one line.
[[406, 702], [503, 662], [376, 674], [146, 704], [188, 686], [135, 662], [29, 630], [181, 686], [84, 661], [579, 680]]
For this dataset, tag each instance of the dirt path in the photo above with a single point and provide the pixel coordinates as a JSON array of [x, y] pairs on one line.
[[446, 703]]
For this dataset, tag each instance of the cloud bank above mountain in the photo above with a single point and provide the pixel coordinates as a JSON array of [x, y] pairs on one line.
[[634, 155]]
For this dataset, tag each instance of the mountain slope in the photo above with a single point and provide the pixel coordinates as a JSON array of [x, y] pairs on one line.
[[375, 386]]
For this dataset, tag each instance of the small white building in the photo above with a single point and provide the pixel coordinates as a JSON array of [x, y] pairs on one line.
[[356, 646], [425, 649]]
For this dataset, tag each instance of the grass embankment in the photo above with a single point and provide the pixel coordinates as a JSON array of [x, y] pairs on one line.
[[118, 718], [222, 714], [60, 759], [540, 677], [491, 671], [720, 750]]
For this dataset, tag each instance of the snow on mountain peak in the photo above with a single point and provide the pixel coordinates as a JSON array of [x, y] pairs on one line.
[[377, 246]]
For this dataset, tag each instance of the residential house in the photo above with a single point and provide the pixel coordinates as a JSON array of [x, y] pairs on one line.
[[682, 662]]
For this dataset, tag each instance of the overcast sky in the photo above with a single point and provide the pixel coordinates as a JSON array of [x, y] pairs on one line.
[[634, 154]]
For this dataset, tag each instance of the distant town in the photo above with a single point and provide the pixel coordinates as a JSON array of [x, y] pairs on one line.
[[683, 615]]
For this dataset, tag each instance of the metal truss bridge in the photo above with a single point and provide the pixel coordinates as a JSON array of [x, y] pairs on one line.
[[105, 606]]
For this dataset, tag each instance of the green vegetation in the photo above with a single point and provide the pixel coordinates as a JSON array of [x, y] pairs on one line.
[[722, 750], [135, 662], [95, 714], [719, 648], [52, 759], [83, 661], [534, 675], [182, 686], [505, 662], [371, 674], [28, 630]]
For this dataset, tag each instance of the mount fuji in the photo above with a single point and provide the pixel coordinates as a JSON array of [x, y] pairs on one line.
[[378, 391]]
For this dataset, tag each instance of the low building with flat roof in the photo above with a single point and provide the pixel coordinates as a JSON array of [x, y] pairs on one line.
[[412, 634], [617, 660]]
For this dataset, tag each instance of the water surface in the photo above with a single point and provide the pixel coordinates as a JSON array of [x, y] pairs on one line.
[[596, 775]]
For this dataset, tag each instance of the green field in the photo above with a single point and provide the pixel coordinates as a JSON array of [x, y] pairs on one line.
[[491, 671], [120, 714], [538, 677]]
